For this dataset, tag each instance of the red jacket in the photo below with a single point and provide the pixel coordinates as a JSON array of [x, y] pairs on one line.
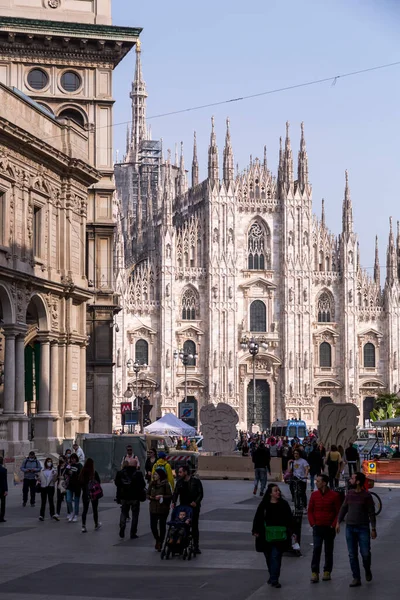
[[323, 509]]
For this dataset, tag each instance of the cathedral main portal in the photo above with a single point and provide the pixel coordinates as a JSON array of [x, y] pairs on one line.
[[259, 408]]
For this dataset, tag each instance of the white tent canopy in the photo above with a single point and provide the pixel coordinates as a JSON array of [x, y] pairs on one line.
[[169, 424], [387, 422]]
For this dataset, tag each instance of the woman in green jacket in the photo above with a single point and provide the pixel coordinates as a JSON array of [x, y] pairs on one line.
[[160, 494]]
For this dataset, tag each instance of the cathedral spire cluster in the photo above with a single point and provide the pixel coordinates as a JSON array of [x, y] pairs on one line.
[[138, 96]]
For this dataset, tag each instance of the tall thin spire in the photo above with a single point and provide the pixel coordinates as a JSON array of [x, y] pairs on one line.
[[182, 183], [176, 155], [128, 140], [347, 218], [323, 213], [288, 159], [302, 169], [213, 169], [377, 269], [265, 164], [168, 194], [280, 163], [228, 169], [391, 262], [195, 163], [138, 96]]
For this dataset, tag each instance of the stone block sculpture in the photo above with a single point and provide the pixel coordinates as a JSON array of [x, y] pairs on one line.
[[218, 426], [338, 424]]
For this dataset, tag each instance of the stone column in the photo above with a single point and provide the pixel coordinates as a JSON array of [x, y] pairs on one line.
[[20, 374], [9, 372], [54, 378], [44, 381], [83, 416]]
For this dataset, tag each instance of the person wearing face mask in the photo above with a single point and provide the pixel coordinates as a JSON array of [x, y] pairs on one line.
[[47, 479]]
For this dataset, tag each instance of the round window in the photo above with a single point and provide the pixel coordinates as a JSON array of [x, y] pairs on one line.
[[38, 79], [70, 81]]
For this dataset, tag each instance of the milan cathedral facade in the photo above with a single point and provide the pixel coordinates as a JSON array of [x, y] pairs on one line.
[[241, 256]]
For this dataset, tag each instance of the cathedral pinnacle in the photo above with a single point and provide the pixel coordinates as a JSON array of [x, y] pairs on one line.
[[182, 183], [228, 169], [265, 159], [195, 163], [391, 260], [138, 96], [377, 269], [302, 169], [323, 213], [213, 169], [347, 218], [288, 159]]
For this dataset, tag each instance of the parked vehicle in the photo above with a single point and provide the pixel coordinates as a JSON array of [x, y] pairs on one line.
[[290, 428]]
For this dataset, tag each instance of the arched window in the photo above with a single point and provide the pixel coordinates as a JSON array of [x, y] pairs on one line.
[[258, 316], [258, 248], [189, 347], [189, 304], [325, 355], [142, 352], [369, 355], [74, 115], [325, 308]]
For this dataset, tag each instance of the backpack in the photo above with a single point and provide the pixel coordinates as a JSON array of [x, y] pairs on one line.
[[95, 490], [126, 479], [162, 467]]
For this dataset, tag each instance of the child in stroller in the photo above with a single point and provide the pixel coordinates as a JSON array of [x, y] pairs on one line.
[[179, 536]]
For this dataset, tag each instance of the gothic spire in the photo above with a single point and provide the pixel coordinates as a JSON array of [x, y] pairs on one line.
[[195, 163], [288, 159], [176, 155], [323, 213], [391, 262], [228, 169], [265, 159], [347, 218], [168, 194], [128, 140], [213, 169], [138, 96], [302, 169], [280, 163], [182, 186], [377, 269]]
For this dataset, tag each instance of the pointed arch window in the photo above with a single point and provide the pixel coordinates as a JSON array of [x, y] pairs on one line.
[[189, 305], [258, 248], [258, 316], [325, 355], [142, 352], [189, 348], [369, 356], [325, 308]]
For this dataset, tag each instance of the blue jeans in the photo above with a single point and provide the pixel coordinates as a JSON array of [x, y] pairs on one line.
[[75, 496], [358, 536], [273, 556], [260, 475]]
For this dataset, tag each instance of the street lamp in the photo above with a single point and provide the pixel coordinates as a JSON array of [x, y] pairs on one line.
[[185, 358], [253, 347], [135, 366]]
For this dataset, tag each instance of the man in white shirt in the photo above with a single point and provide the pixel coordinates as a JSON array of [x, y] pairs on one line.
[[299, 468], [80, 453]]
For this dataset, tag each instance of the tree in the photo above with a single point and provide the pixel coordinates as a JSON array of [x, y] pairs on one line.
[[387, 406]]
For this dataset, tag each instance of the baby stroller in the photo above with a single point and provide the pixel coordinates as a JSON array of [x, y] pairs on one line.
[[179, 539]]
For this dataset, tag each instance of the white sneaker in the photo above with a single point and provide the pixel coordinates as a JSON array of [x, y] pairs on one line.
[[75, 519], [84, 530], [69, 518], [97, 526], [56, 517]]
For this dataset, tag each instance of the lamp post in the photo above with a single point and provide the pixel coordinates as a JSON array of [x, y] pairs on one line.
[[135, 366], [253, 347], [185, 358]]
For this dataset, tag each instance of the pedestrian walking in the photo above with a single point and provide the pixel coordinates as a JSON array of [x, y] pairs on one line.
[[150, 461], [316, 464], [358, 508], [3, 490], [79, 452], [61, 484], [160, 495], [131, 491], [91, 493], [30, 468], [352, 458], [262, 465], [323, 511], [130, 457], [162, 463], [299, 468], [272, 528], [46, 482], [189, 492], [74, 489], [333, 462]]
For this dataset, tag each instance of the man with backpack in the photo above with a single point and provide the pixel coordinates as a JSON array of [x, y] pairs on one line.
[[131, 491], [30, 468]]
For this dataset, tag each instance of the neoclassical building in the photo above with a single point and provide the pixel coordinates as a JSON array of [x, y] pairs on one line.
[[241, 256], [56, 253]]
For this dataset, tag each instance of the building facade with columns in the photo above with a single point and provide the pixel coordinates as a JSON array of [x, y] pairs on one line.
[[61, 54], [206, 268]]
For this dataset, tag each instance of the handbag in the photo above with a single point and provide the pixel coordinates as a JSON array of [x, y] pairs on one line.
[[275, 533], [95, 490]]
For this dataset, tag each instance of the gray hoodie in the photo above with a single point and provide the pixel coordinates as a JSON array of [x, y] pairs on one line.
[[30, 468]]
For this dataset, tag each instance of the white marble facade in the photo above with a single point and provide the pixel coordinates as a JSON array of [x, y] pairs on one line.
[[240, 256]]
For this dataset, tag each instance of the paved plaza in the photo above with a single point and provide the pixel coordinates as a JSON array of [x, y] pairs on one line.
[[56, 561]]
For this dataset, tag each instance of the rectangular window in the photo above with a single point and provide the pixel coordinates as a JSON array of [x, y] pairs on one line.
[[37, 233]]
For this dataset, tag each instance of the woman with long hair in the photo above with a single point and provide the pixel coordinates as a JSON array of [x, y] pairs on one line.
[[272, 528], [151, 459], [160, 495], [91, 492], [47, 479]]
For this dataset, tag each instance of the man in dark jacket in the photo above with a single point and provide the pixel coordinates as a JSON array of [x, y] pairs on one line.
[[262, 461], [130, 492], [3, 490], [30, 468], [323, 511], [352, 458], [189, 490], [316, 463]]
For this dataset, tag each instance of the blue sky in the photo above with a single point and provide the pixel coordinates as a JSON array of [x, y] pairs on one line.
[[200, 52]]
